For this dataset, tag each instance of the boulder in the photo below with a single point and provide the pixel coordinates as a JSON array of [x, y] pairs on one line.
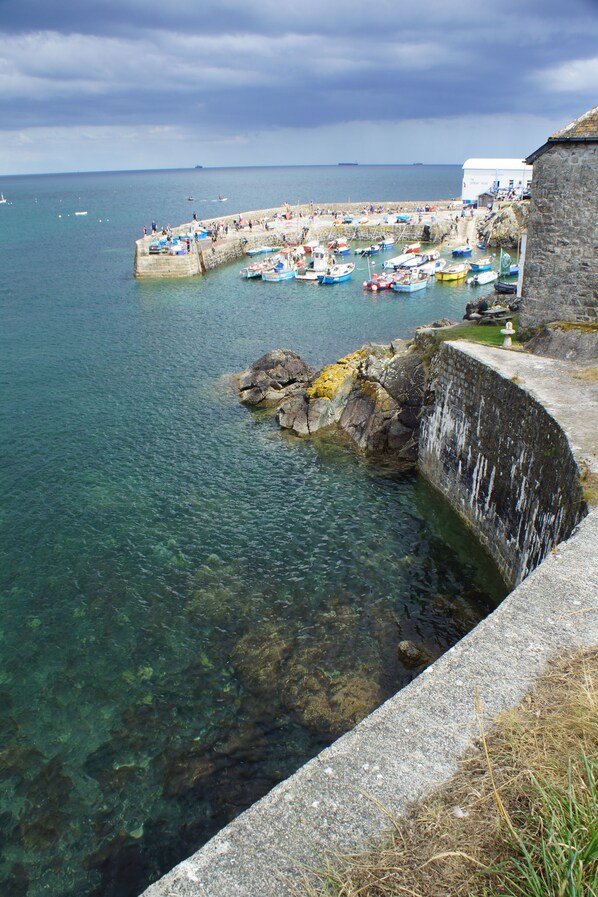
[[413, 655], [273, 377], [504, 228]]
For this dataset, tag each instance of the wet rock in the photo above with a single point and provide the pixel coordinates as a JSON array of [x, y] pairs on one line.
[[273, 377], [16, 883], [413, 655], [186, 771], [46, 815]]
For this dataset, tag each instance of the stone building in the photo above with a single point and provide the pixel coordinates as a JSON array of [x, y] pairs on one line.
[[560, 281]]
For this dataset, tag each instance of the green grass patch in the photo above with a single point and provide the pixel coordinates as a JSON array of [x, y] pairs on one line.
[[486, 334]]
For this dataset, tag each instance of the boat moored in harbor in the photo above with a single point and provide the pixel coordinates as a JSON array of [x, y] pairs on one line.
[[453, 272], [337, 273]]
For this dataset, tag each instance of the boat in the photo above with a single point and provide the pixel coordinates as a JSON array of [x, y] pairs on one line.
[[397, 261], [321, 260], [379, 282], [283, 268], [259, 250], [481, 278], [80, 213], [2, 200], [190, 199], [386, 243], [256, 270], [453, 272], [339, 247], [462, 250], [416, 280], [484, 264], [222, 198], [501, 287], [313, 244], [337, 273], [481, 245], [433, 266], [368, 250], [412, 247]]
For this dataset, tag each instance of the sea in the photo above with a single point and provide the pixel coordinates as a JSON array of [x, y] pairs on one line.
[[192, 604]]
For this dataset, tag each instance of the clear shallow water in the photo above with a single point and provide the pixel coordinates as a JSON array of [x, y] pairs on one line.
[[191, 605]]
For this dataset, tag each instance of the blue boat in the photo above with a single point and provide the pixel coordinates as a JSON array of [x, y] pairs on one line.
[[337, 273], [484, 264], [369, 250], [462, 250]]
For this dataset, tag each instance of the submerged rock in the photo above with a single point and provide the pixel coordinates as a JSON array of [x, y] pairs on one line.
[[273, 377], [413, 655]]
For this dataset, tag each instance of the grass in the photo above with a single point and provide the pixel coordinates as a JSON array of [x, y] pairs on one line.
[[487, 334], [520, 819]]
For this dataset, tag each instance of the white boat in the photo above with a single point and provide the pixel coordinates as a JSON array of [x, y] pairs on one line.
[[321, 259], [2, 200], [386, 243], [482, 277], [259, 250], [256, 270], [397, 261], [433, 266], [417, 280], [80, 213], [283, 269], [413, 261], [337, 273]]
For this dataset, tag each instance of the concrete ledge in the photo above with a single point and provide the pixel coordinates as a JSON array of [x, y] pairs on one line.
[[408, 746]]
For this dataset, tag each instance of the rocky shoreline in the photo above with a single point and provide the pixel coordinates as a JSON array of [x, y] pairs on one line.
[[374, 396]]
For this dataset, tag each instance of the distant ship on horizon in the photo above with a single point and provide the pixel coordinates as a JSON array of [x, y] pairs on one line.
[[199, 166], [347, 163]]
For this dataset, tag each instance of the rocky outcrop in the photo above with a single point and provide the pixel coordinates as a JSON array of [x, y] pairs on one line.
[[273, 377], [505, 226], [374, 396]]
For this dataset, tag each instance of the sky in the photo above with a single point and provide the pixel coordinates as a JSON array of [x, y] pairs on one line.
[[142, 84]]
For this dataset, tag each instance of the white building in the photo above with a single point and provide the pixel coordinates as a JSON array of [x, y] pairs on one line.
[[498, 176]]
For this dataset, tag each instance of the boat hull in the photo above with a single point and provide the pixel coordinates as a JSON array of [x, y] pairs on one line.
[[408, 287]]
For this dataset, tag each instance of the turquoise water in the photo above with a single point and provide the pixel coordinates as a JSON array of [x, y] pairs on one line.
[[191, 604]]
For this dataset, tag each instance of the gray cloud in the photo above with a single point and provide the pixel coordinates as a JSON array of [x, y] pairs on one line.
[[273, 64]]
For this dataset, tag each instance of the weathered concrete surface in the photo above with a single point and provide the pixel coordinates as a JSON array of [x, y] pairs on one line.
[[559, 386], [408, 746], [506, 439]]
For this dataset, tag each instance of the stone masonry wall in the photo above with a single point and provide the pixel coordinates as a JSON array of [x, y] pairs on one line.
[[501, 460], [561, 268]]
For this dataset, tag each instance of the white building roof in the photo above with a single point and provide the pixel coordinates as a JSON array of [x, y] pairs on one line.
[[492, 164]]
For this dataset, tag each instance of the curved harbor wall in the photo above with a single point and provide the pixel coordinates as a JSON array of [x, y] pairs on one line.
[[500, 459], [411, 744], [304, 226]]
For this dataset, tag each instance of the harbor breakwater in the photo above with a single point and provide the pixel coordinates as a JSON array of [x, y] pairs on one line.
[[505, 443], [304, 225]]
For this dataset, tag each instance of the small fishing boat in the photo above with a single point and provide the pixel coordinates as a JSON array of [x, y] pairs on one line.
[[337, 273], [453, 272], [412, 247], [481, 245], [482, 277], [396, 262], [481, 264], [339, 247], [462, 250], [415, 281], [2, 200], [433, 266], [284, 269], [259, 250], [507, 288], [386, 243], [321, 260], [256, 270], [379, 282], [311, 245], [80, 213], [368, 250]]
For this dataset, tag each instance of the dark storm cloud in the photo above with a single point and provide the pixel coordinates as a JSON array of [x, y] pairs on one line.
[[272, 64]]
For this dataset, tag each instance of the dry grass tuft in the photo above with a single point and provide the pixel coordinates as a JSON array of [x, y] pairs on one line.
[[464, 839]]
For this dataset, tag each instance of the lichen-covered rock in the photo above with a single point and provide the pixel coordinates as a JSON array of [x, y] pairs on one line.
[[273, 377]]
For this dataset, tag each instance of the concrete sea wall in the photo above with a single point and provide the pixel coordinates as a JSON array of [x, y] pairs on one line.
[[493, 449], [502, 461]]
